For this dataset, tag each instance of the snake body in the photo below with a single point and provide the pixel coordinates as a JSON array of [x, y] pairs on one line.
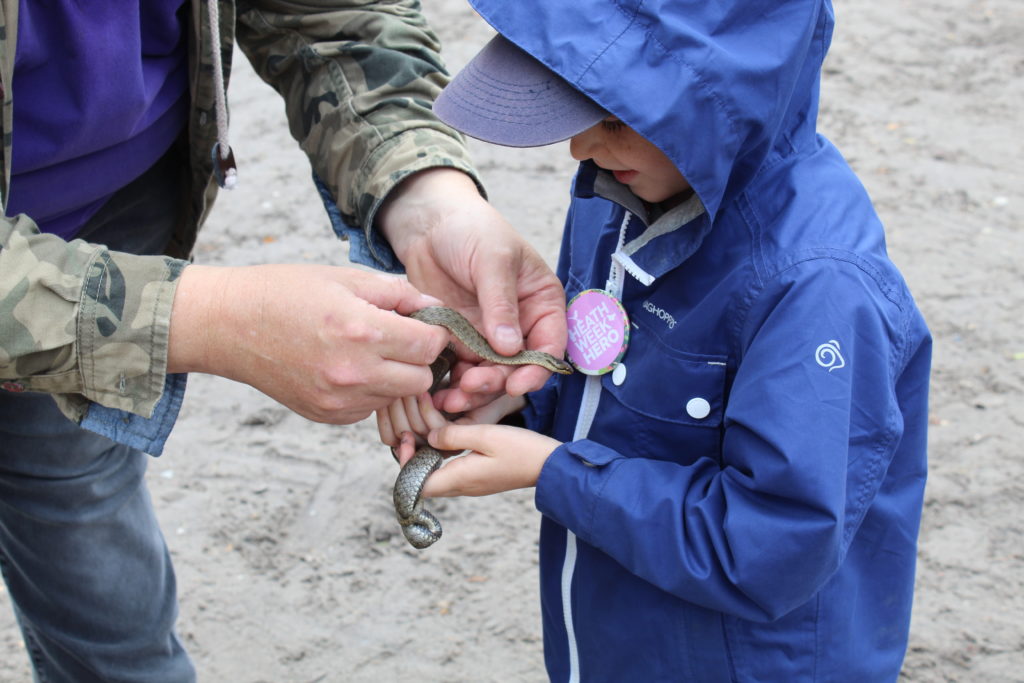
[[419, 526], [465, 332]]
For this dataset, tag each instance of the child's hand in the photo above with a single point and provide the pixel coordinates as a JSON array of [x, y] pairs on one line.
[[503, 458], [405, 423]]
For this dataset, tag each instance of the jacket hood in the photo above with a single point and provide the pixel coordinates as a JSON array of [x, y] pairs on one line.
[[721, 88]]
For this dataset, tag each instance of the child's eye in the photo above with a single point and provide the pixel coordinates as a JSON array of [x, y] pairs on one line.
[[612, 125]]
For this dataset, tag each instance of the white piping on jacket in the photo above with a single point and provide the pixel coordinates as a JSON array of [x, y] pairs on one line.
[[631, 267], [588, 409]]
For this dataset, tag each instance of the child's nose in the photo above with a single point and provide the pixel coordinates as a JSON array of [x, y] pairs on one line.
[[581, 146]]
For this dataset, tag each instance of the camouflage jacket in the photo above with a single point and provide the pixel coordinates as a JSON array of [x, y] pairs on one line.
[[90, 325]]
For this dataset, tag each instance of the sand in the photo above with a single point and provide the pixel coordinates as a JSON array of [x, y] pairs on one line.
[[289, 562]]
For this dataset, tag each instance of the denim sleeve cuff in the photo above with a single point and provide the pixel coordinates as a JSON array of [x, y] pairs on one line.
[[366, 248], [146, 434], [385, 168]]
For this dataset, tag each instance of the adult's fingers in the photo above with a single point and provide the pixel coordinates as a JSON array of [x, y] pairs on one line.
[[526, 379], [382, 381], [387, 292], [403, 339], [496, 280], [475, 387]]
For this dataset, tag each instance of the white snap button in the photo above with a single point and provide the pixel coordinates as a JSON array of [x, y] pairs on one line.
[[619, 374], [698, 408]]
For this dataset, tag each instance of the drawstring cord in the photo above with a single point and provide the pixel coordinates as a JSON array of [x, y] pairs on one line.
[[223, 157]]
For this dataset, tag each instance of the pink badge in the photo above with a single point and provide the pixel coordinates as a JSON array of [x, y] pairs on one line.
[[598, 331]]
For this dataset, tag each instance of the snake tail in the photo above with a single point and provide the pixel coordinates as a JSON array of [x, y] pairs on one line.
[[420, 527], [422, 532]]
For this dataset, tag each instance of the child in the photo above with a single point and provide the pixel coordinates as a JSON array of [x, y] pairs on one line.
[[736, 493]]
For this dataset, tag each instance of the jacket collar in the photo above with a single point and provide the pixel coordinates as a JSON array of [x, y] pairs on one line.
[[646, 253]]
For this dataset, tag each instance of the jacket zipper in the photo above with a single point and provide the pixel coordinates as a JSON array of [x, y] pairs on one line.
[[584, 420]]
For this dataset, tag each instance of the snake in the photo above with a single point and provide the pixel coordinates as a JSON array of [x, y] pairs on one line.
[[420, 527]]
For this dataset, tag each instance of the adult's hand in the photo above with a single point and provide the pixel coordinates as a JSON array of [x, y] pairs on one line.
[[324, 341], [457, 247]]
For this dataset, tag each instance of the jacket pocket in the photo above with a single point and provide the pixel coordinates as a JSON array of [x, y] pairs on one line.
[[665, 403]]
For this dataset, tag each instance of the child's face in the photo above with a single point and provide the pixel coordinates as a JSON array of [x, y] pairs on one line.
[[633, 160]]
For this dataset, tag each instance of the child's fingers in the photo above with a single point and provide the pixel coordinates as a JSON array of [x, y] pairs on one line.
[[398, 418], [431, 416], [459, 437], [501, 458], [412, 414], [385, 428], [463, 476], [477, 474], [415, 414], [406, 448], [496, 409]]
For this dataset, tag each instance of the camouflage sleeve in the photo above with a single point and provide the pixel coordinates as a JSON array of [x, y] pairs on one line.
[[358, 79], [82, 322]]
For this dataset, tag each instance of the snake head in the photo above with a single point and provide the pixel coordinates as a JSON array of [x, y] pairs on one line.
[[561, 367]]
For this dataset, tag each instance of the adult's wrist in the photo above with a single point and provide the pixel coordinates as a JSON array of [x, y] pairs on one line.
[[420, 202], [195, 317]]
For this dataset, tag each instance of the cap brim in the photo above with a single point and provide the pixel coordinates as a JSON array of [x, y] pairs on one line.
[[507, 97]]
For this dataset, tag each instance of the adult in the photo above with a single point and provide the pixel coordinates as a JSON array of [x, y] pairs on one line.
[[112, 158]]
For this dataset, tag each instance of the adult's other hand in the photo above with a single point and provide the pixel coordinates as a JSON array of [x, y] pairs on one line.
[[325, 341], [456, 246]]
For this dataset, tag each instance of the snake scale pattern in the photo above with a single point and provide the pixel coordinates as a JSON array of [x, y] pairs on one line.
[[419, 526]]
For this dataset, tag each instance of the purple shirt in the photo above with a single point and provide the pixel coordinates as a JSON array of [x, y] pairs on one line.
[[100, 93]]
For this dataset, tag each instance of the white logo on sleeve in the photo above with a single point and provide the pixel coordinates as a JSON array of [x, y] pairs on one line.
[[828, 356]]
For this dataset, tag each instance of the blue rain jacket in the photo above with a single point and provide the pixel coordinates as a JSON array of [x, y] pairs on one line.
[[767, 530]]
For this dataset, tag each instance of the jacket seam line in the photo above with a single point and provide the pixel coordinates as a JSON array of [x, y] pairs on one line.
[[592, 514], [845, 256], [867, 485], [754, 227], [756, 261], [712, 93], [86, 333], [630, 20]]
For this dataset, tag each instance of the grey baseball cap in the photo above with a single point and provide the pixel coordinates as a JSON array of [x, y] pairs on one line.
[[506, 96]]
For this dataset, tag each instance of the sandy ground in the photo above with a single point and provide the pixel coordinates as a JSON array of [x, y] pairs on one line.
[[290, 565]]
